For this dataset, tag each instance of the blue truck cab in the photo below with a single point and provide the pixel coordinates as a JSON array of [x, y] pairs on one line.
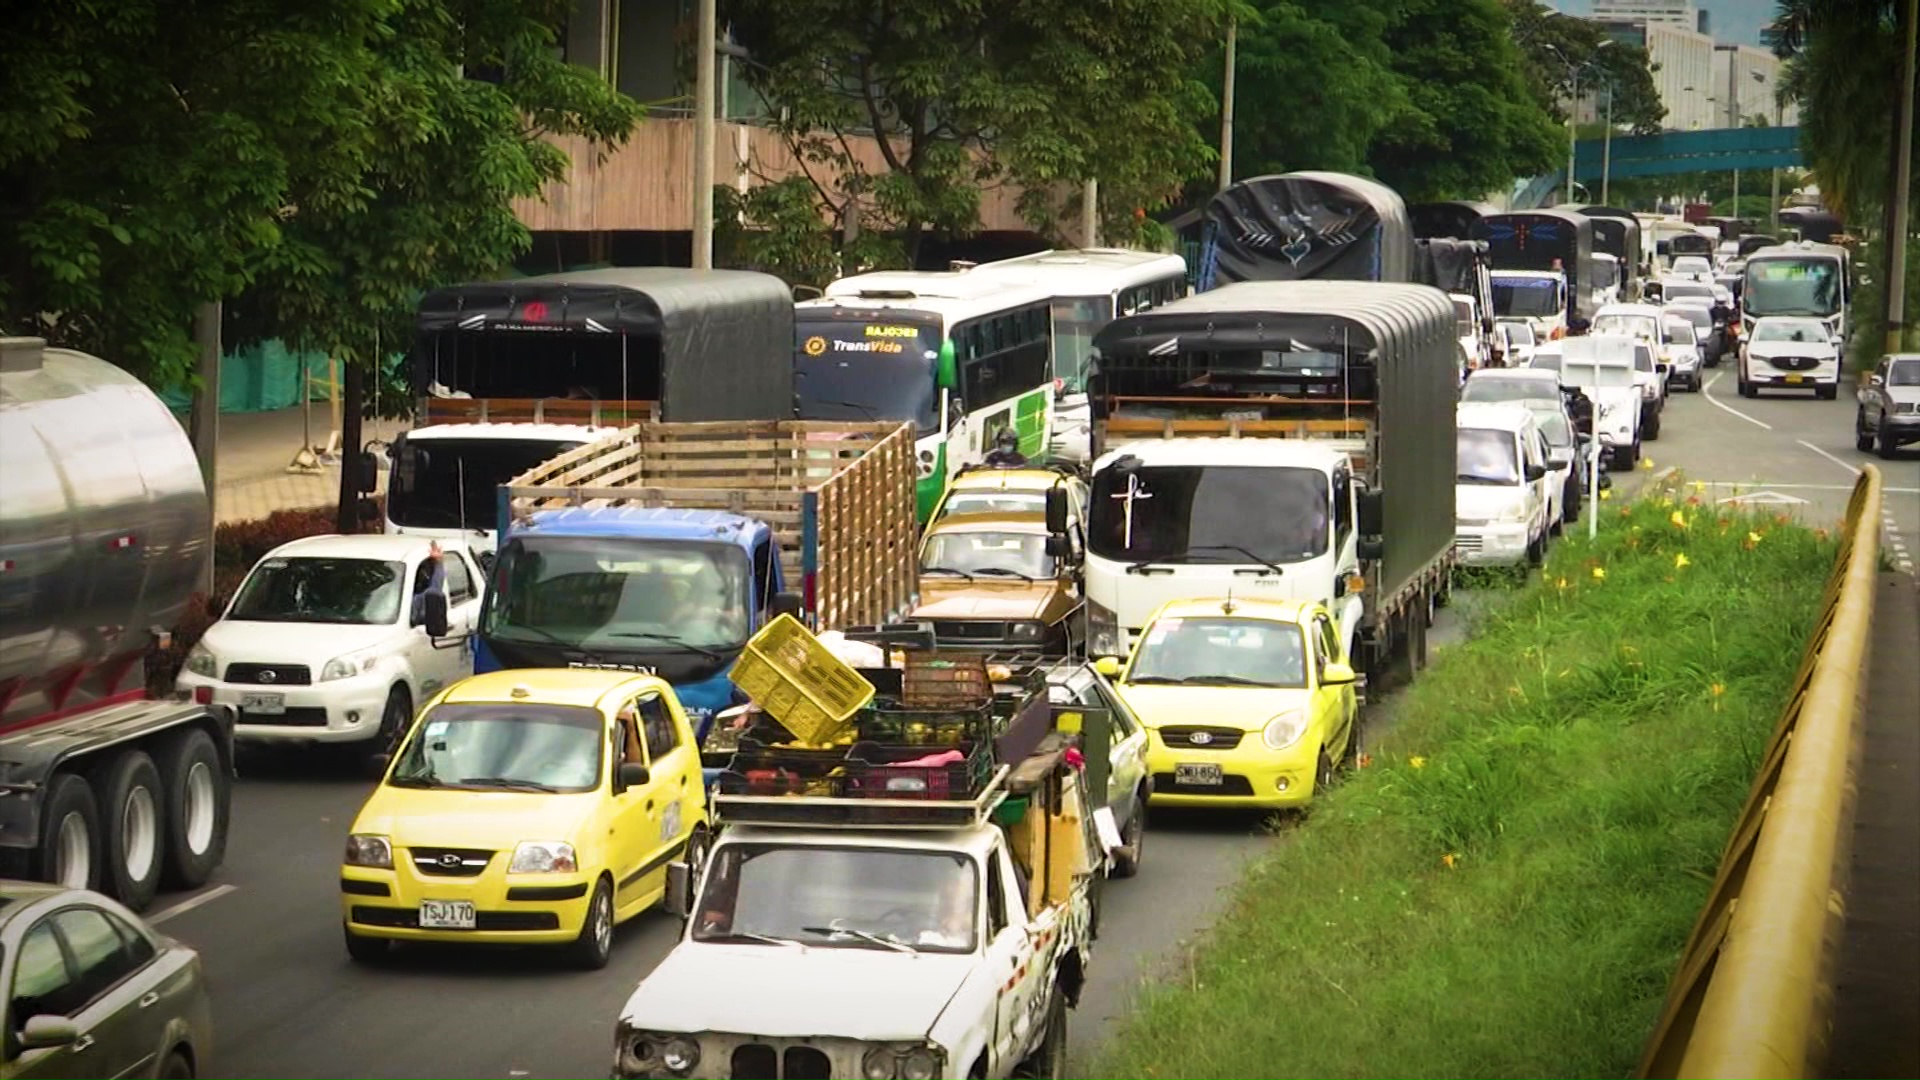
[[673, 593]]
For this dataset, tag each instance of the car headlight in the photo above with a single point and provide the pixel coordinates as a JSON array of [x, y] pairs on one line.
[[1103, 632], [926, 463], [879, 1063], [648, 1051], [1513, 515], [346, 667], [901, 1063], [543, 857], [1284, 730], [200, 661], [921, 1064], [364, 849], [1027, 631], [680, 1054]]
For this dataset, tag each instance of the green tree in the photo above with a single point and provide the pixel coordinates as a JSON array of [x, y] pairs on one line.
[[1554, 47], [1843, 69], [1471, 126], [971, 93]]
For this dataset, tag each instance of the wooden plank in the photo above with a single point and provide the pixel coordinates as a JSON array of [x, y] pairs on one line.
[[1239, 401], [439, 410], [1281, 428]]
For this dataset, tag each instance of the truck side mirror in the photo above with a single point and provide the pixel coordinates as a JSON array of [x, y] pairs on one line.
[[1370, 548], [367, 509], [1372, 512], [1057, 510], [366, 470], [679, 898], [785, 603], [1536, 472], [947, 374], [433, 614], [1059, 547]]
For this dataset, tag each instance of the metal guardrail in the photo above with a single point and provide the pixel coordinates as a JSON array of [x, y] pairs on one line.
[[1753, 993]]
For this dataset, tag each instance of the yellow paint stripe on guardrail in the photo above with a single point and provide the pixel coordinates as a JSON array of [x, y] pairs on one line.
[[1753, 993]]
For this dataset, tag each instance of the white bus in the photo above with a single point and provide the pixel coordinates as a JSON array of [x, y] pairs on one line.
[[1800, 278], [961, 356], [1090, 288]]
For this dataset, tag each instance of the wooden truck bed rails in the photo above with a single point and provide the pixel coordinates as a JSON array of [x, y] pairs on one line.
[[1350, 423], [441, 410], [838, 496]]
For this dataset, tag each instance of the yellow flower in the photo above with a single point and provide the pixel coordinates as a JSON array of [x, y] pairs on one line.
[[1681, 562], [1699, 485], [1417, 762], [1718, 689], [1646, 463], [1449, 859], [1753, 540], [1605, 494], [1560, 583], [1599, 573], [1679, 520]]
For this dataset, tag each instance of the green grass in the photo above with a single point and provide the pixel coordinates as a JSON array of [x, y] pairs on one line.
[[1581, 761]]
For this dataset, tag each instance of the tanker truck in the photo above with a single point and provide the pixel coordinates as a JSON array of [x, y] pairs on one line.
[[104, 529]]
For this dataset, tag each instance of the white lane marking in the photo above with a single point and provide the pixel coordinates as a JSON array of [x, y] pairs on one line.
[[191, 902], [1854, 469], [1707, 392]]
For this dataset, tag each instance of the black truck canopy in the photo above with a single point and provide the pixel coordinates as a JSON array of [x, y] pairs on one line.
[[1300, 225], [1536, 240], [1452, 220], [705, 344], [1617, 233]]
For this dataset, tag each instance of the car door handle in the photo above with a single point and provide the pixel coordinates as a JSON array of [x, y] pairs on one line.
[[82, 1044], [649, 804], [149, 999]]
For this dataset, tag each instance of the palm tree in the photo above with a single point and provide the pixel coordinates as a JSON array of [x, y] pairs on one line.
[[1843, 68]]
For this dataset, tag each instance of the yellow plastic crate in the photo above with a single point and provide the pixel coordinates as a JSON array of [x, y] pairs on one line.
[[799, 682]]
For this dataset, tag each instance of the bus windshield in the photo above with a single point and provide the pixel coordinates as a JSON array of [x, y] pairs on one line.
[[1209, 514], [880, 369], [1801, 286], [1075, 320], [1532, 297]]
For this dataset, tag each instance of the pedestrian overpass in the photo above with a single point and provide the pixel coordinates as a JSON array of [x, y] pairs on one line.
[[1666, 154]]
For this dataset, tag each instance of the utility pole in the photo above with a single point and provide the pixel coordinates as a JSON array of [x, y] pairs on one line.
[[1773, 199], [1573, 129], [1606, 151], [1226, 106], [1901, 194], [204, 417], [1090, 215], [703, 136]]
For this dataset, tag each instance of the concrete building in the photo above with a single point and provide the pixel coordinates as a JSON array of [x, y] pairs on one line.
[[634, 206], [1744, 81], [1680, 13], [1682, 61]]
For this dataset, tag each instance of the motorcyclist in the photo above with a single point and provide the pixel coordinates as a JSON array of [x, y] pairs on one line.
[[1006, 451], [1580, 407]]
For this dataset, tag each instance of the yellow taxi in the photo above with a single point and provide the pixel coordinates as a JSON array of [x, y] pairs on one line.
[[990, 489], [533, 807], [1251, 702]]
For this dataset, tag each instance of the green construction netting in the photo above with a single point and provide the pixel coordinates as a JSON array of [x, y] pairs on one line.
[[264, 377]]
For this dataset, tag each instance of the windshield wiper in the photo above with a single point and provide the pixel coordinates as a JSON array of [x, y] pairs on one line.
[[1224, 680], [1001, 571], [512, 782], [883, 942], [1164, 680], [1147, 566], [560, 641], [946, 570], [1463, 478], [1236, 548], [742, 935], [425, 781], [669, 639]]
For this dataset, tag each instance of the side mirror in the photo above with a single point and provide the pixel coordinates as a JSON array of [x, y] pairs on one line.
[[631, 774], [785, 603], [1059, 547], [1371, 548], [1561, 466], [1372, 512], [679, 898], [41, 1032], [366, 470], [433, 613], [948, 372], [367, 509], [1337, 674], [1535, 472], [1876, 380], [1057, 510], [1108, 666]]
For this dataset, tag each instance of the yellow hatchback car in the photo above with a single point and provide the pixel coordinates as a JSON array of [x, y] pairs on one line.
[[1251, 702], [536, 807]]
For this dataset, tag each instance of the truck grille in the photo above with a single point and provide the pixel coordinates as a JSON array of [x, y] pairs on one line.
[[756, 1061], [1794, 363], [270, 674], [1467, 543], [956, 630], [450, 861], [806, 1063], [1205, 738]]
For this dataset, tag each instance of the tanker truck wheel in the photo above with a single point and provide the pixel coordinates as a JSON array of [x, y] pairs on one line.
[[198, 796], [131, 808], [69, 851]]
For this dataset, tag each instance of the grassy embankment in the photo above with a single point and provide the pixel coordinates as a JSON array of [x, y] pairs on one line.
[[1504, 889]]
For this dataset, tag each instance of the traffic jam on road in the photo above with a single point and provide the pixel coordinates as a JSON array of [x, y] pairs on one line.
[[867, 645]]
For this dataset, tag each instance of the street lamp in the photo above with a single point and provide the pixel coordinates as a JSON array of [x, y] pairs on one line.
[[1573, 100]]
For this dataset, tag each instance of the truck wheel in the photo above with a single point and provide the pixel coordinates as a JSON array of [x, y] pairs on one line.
[[1862, 437], [199, 800], [594, 947], [1133, 840], [1885, 438], [395, 718], [135, 843], [69, 852], [1049, 1059], [1650, 426]]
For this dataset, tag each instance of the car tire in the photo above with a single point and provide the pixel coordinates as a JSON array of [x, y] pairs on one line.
[[1747, 389], [199, 794], [1133, 839], [1885, 440], [1049, 1059], [594, 947], [69, 832], [133, 808], [367, 950], [1650, 426], [1863, 436], [1571, 501], [177, 1067], [1827, 393], [396, 717], [1537, 550]]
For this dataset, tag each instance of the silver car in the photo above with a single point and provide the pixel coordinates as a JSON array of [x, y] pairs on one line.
[[1889, 415], [93, 991]]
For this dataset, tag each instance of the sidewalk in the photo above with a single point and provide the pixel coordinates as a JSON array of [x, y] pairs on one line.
[[253, 454], [1876, 1003]]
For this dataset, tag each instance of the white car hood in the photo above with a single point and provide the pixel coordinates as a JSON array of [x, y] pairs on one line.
[[1484, 502], [312, 644], [1820, 350], [872, 995]]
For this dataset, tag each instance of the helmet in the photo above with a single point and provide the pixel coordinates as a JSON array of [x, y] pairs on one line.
[[1006, 440]]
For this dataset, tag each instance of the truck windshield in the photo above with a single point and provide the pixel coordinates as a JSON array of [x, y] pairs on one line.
[[988, 554], [1209, 514], [451, 483], [1463, 318], [1221, 652], [1075, 320], [318, 590], [1809, 286], [1588, 375], [1638, 326], [619, 592], [840, 897], [1487, 456], [517, 747], [867, 369], [1527, 297]]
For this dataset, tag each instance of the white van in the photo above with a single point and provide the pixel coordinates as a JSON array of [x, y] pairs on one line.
[[1502, 496]]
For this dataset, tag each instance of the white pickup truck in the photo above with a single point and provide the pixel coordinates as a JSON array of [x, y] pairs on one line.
[[878, 937]]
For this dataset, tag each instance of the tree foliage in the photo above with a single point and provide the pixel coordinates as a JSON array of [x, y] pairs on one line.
[[974, 93], [322, 163], [1554, 48], [1843, 69]]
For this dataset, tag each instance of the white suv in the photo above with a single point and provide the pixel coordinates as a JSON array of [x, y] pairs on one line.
[[326, 641], [1790, 352], [1503, 485]]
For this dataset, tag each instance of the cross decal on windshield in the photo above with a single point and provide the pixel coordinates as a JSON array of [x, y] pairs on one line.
[[1134, 492]]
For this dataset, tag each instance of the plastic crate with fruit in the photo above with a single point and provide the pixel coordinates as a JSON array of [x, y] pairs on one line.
[[882, 771], [799, 682]]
